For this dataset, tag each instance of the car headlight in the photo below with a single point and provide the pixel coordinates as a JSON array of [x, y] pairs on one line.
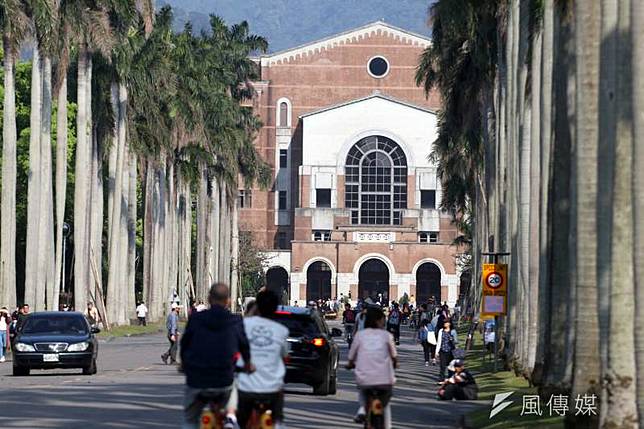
[[22, 347], [78, 347]]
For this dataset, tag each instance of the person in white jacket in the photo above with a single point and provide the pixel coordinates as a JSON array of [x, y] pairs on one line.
[[445, 345], [141, 313]]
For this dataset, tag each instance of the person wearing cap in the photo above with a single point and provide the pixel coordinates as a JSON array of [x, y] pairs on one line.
[[172, 325], [460, 386]]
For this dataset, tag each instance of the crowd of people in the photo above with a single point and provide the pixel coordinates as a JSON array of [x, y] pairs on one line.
[[435, 333]]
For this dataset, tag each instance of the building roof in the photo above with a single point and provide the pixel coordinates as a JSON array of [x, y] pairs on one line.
[[378, 27], [376, 94]]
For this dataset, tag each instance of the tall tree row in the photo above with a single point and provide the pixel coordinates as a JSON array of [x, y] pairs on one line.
[[552, 176], [161, 124]]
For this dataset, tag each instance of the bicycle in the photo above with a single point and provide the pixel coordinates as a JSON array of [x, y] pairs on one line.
[[261, 417], [213, 415], [377, 401]]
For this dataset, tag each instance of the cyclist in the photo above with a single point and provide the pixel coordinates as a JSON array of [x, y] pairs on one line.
[[373, 355], [210, 343], [269, 347]]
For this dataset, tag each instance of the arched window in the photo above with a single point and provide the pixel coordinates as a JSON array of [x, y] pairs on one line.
[[283, 115], [376, 182]]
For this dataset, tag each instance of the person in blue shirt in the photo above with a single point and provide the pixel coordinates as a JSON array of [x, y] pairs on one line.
[[172, 326]]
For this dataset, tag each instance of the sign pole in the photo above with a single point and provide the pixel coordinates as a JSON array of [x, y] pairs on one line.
[[495, 259]]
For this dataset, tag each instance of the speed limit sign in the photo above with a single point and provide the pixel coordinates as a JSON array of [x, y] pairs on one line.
[[494, 280]]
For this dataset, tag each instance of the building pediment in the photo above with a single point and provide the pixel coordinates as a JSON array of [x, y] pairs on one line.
[[378, 28], [366, 100]]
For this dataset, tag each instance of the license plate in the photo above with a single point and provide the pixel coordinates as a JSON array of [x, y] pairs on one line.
[[50, 357]]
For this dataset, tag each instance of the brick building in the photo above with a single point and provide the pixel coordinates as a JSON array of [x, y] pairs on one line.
[[353, 206]]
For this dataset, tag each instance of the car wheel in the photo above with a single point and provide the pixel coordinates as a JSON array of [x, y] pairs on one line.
[[91, 369], [19, 371], [333, 384], [323, 388]]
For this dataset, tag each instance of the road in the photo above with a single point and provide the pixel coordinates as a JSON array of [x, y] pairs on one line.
[[134, 389]]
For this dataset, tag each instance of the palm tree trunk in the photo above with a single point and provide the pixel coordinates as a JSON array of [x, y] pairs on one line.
[[81, 189], [32, 288], [234, 276], [638, 193], [8, 212], [202, 225], [621, 408], [587, 368], [184, 240], [564, 213], [534, 215], [148, 233], [46, 258], [131, 241], [213, 231], [123, 308], [546, 131], [114, 279], [61, 183], [606, 146], [223, 233]]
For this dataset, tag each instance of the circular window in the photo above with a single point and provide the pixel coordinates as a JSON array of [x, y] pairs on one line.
[[378, 67]]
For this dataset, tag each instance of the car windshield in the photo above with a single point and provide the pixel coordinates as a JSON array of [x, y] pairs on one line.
[[298, 326], [55, 326]]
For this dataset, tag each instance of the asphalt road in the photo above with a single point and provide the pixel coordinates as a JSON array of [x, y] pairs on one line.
[[134, 389]]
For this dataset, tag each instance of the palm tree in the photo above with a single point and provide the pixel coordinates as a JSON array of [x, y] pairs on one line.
[[621, 407], [92, 30], [13, 21], [587, 371], [37, 268], [638, 192]]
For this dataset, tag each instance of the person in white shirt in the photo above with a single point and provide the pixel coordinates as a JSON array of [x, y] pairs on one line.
[[141, 313], [268, 347]]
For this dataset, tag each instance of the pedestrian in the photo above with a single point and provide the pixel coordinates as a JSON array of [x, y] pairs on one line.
[[446, 341], [393, 323], [374, 357], [439, 320], [269, 346], [201, 307], [461, 386], [5, 323], [141, 313], [422, 339], [348, 320], [22, 316], [172, 326], [431, 338], [92, 314]]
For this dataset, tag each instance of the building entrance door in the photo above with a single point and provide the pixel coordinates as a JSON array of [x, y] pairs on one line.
[[318, 282], [374, 281], [277, 281], [428, 284]]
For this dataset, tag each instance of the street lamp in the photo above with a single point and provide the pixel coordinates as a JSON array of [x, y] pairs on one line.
[[66, 231]]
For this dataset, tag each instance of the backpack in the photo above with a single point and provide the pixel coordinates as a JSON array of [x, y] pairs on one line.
[[349, 316], [394, 317]]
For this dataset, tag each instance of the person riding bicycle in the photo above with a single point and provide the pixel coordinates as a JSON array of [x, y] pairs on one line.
[[211, 342], [374, 357], [269, 346], [348, 320]]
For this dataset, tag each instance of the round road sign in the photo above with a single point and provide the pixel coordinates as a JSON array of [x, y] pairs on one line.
[[494, 280]]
